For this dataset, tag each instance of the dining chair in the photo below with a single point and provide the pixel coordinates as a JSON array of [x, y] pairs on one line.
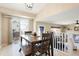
[[41, 47], [28, 32], [25, 48]]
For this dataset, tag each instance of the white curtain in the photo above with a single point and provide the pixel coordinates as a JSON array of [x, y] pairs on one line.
[[24, 25]]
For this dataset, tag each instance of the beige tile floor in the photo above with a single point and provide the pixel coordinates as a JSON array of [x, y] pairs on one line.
[[11, 50]]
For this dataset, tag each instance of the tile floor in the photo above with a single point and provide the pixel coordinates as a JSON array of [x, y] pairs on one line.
[[11, 50]]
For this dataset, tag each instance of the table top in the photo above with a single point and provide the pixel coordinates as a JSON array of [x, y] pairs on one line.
[[31, 38]]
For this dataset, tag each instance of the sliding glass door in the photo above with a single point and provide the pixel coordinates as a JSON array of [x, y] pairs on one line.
[[19, 26]]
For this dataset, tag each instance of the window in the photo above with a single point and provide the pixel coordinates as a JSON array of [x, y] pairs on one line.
[[24, 25], [20, 24], [76, 38]]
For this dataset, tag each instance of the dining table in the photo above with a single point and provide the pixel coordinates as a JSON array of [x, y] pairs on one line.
[[26, 40], [29, 38]]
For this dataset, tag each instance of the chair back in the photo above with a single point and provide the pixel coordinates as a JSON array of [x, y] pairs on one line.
[[46, 36], [28, 32], [42, 46]]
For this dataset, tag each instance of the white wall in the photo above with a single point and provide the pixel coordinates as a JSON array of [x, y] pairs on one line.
[[31, 25]]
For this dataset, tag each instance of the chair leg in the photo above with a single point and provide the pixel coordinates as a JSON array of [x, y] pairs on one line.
[[20, 50]]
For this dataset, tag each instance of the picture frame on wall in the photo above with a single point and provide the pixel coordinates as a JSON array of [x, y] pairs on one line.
[[41, 29]]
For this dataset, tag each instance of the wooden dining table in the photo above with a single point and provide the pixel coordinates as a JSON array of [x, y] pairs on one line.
[[31, 38], [28, 39]]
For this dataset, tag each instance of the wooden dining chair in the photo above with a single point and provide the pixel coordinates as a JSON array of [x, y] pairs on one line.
[[42, 46], [26, 48], [28, 32], [47, 36]]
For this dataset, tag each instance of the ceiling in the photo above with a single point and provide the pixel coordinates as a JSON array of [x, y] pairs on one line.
[[64, 18], [51, 13], [21, 7], [60, 13]]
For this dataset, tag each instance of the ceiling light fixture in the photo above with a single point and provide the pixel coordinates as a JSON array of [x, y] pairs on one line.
[[76, 28], [29, 5], [77, 23]]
